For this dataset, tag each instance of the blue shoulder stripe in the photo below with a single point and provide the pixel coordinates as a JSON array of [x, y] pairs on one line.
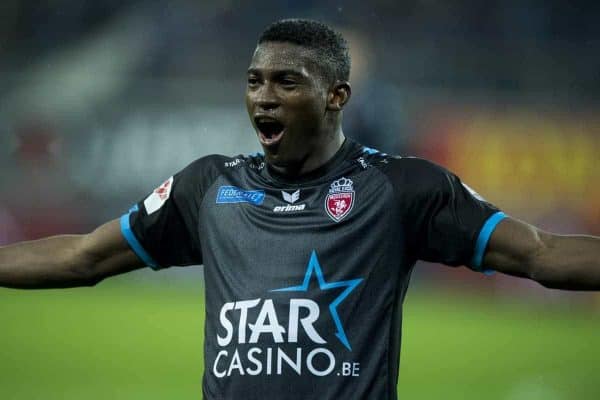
[[369, 150], [134, 243], [483, 239]]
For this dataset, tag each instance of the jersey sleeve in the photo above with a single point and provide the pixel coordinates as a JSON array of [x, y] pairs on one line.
[[446, 221], [162, 229]]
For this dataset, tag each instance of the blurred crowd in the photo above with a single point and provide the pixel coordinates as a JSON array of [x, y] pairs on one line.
[[102, 99]]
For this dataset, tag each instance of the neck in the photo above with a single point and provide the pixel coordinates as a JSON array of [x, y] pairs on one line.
[[320, 155]]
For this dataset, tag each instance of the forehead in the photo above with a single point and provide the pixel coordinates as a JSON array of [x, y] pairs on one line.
[[275, 56]]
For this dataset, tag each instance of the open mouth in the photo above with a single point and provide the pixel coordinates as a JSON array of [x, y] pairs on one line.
[[270, 131]]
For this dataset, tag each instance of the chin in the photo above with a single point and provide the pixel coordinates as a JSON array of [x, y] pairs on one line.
[[282, 155], [275, 159]]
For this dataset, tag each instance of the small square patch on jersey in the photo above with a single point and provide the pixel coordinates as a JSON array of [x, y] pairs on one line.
[[158, 198]]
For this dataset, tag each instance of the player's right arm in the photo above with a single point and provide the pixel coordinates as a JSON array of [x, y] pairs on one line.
[[67, 260], [158, 232]]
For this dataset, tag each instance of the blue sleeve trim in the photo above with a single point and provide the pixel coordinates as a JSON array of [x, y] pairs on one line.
[[134, 243], [483, 239]]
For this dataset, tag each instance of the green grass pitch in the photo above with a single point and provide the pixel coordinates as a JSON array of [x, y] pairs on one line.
[[124, 341]]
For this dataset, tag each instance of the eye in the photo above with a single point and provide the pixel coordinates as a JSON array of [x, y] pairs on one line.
[[252, 81], [288, 83]]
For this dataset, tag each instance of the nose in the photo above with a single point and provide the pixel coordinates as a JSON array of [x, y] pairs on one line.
[[266, 99]]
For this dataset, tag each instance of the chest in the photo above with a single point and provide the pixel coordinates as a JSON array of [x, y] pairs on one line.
[[257, 229], [241, 207]]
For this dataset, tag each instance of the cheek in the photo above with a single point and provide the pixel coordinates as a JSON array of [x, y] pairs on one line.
[[310, 108], [248, 103]]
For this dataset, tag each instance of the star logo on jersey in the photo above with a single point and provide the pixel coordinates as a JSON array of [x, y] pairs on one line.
[[340, 200], [314, 268]]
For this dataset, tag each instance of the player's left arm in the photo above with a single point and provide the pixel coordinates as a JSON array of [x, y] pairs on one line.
[[570, 262]]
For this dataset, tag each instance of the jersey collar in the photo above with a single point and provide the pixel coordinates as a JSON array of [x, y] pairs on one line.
[[348, 148]]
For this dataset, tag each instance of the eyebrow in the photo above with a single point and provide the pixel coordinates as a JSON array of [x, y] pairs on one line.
[[278, 72]]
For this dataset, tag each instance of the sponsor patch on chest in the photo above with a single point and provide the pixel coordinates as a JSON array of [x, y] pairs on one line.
[[233, 194]]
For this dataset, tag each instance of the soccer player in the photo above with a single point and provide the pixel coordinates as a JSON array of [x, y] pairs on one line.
[[307, 249]]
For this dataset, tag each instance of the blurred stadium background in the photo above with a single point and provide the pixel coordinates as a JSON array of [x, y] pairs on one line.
[[100, 100]]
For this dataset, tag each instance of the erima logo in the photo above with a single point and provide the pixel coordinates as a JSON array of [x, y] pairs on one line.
[[232, 194], [290, 198], [289, 208]]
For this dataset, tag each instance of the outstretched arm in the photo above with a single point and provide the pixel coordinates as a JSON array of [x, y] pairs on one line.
[[67, 260], [569, 262]]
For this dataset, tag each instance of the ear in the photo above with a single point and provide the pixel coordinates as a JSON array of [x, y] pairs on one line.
[[338, 96]]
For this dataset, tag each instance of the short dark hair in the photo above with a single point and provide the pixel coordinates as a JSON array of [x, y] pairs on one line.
[[330, 47]]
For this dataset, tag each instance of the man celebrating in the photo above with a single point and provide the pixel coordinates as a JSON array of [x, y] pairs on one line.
[[308, 249]]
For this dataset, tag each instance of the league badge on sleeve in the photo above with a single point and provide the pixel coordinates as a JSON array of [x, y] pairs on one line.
[[340, 199], [158, 197]]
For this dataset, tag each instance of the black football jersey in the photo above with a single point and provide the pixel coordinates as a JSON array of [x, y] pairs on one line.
[[305, 278]]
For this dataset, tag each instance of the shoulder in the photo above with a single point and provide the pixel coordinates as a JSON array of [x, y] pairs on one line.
[[407, 174], [213, 165], [416, 174], [208, 163], [405, 166], [201, 173]]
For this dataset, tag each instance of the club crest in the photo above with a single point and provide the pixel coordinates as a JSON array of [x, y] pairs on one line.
[[340, 199]]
